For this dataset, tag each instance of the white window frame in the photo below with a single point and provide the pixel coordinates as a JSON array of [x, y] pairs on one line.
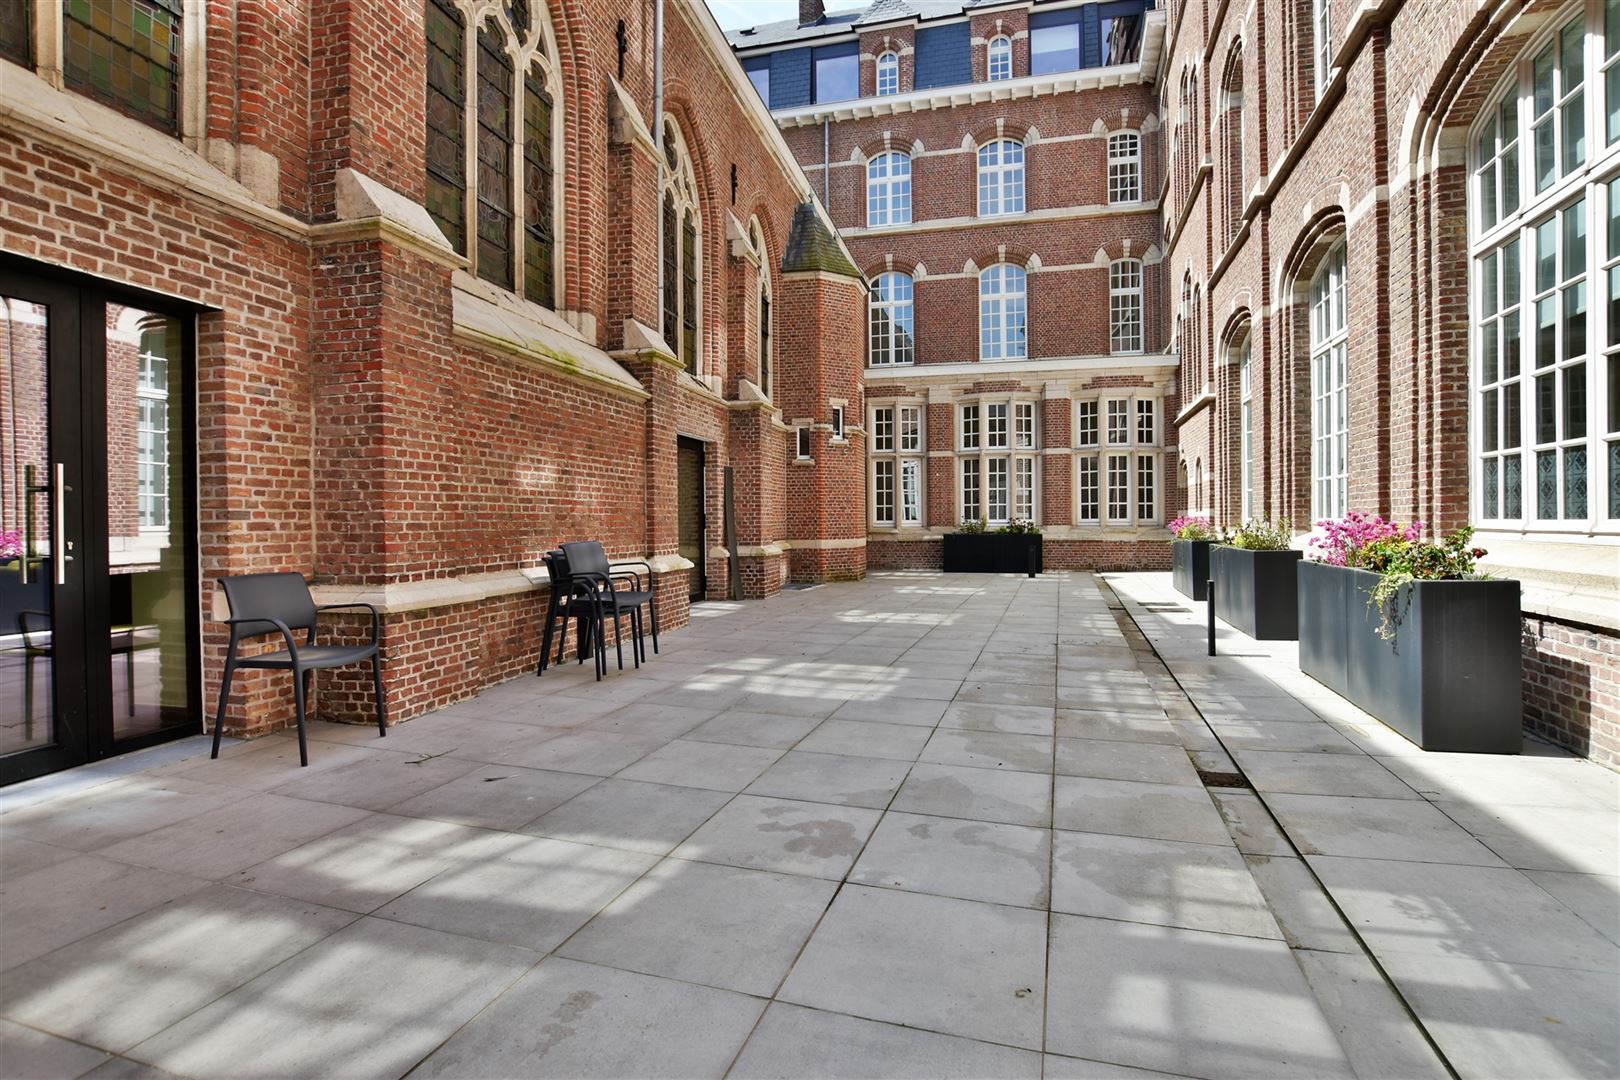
[[1003, 312], [888, 189], [999, 59], [151, 453], [891, 321], [1125, 307], [888, 74], [1124, 167], [998, 470], [1001, 178], [802, 448], [1330, 386], [1246, 425], [884, 469], [1322, 44], [838, 423], [1118, 460], [899, 459]]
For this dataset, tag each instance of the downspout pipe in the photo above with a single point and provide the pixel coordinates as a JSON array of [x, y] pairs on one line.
[[826, 160], [658, 144]]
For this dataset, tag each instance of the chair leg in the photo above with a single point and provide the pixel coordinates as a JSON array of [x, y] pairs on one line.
[[382, 702], [545, 634], [599, 644], [224, 696], [618, 634], [298, 699], [637, 644], [652, 611], [129, 675]]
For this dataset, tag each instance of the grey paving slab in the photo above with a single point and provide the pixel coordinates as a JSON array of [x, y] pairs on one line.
[[1017, 798], [570, 1019], [532, 892], [19, 856], [1146, 762], [267, 763], [380, 994], [376, 780], [119, 1068], [1281, 735], [1308, 773], [657, 717], [132, 980], [958, 967], [1544, 837], [866, 738], [234, 836], [1594, 897], [1164, 882], [1555, 780], [788, 836], [719, 926], [1301, 906], [65, 901], [1376, 829], [832, 778], [989, 750], [792, 701], [1495, 1019], [596, 753], [891, 710], [116, 811], [1129, 808], [1058, 1067], [1488, 913], [795, 1043], [754, 729], [1373, 1025], [1012, 719], [970, 860], [1185, 1001], [27, 1054], [1250, 823], [630, 815], [988, 693], [1116, 727], [716, 766], [496, 796]]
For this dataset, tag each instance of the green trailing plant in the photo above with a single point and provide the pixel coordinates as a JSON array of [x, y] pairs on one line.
[[1401, 560], [1020, 527], [973, 526], [1260, 535]]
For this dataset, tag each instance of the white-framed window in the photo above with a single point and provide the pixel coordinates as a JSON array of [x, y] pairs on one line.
[[888, 189], [1125, 306], [1147, 421], [995, 425], [897, 465], [1124, 167], [1246, 427], [883, 430], [883, 474], [1330, 389], [998, 447], [1001, 177], [1003, 313], [1000, 58], [1024, 425], [1119, 421], [1322, 28], [888, 74], [152, 430], [1117, 469], [838, 422], [890, 310], [910, 427], [1545, 372], [970, 427], [801, 442], [1085, 424], [972, 507], [1087, 507]]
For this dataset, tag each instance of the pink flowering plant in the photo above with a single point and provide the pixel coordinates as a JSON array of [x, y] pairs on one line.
[[11, 544], [1399, 556], [1342, 541], [1193, 528]]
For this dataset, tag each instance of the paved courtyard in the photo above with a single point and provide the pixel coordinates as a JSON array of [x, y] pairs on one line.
[[923, 826]]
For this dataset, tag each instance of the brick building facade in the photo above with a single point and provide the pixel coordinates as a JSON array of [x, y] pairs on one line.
[[1365, 207], [458, 294], [995, 171]]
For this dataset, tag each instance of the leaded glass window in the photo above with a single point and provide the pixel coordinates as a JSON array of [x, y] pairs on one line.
[[447, 123], [539, 241], [495, 209], [126, 54], [16, 32]]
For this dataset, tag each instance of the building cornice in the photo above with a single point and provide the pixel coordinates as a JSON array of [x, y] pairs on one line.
[[1044, 368], [1029, 217]]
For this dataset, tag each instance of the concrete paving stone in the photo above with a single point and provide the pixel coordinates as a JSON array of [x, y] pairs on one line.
[[1164, 882], [831, 778], [1374, 1027], [1300, 905], [65, 901], [267, 763], [987, 693], [1281, 735], [1185, 1001], [496, 796], [1559, 780], [715, 766], [655, 718], [19, 856], [1489, 913], [1310, 773], [532, 893], [108, 813], [1376, 829], [375, 781], [132, 980], [1250, 823], [1513, 1020], [1594, 897], [996, 669], [918, 712], [621, 690], [698, 693], [1130, 808], [1058, 1067], [570, 1019], [26, 1054], [594, 753], [630, 815], [918, 687], [371, 1000], [1371, 737], [803, 700], [989, 750], [719, 926], [863, 738], [546, 708], [1544, 837], [361, 867], [466, 738], [740, 728], [1146, 762], [1223, 707], [970, 860], [958, 967], [1195, 734], [1016, 798], [1011, 719], [1094, 698], [795, 1043], [786, 836], [120, 1068], [1115, 727]]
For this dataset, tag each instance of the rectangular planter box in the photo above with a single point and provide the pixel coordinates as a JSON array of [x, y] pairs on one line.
[[1189, 567], [1257, 591], [1451, 680], [991, 553]]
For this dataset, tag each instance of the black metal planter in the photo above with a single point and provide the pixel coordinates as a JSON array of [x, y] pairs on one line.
[[992, 553], [1257, 591], [1451, 680], [1189, 567]]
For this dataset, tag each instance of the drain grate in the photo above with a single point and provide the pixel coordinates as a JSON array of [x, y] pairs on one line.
[[1223, 779]]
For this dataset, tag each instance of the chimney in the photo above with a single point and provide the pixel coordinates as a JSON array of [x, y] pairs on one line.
[[811, 11]]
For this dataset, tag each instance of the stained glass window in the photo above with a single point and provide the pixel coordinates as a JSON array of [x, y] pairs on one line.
[[495, 217], [16, 34], [125, 53], [539, 242], [446, 123]]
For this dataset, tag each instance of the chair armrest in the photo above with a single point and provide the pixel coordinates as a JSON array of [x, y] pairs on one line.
[[618, 569], [376, 620], [286, 632], [27, 634], [595, 582]]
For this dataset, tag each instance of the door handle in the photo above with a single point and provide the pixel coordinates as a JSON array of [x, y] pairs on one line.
[[30, 489], [59, 555]]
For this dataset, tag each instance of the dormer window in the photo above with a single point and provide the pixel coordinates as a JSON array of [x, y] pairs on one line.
[[888, 74], [1000, 61]]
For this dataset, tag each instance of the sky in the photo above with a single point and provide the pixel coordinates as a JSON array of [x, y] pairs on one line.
[[736, 14]]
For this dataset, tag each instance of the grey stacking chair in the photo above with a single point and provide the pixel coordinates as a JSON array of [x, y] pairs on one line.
[[281, 603], [616, 591]]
